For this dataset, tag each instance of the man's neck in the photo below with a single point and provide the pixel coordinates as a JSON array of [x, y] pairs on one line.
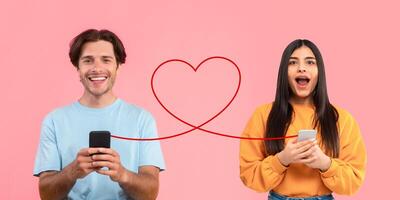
[[101, 101]]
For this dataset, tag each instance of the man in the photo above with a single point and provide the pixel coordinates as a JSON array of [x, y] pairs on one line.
[[66, 167]]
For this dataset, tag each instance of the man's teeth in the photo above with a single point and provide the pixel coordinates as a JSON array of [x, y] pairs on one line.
[[97, 78]]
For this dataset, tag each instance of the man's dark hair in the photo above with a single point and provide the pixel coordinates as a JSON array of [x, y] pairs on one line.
[[93, 35]]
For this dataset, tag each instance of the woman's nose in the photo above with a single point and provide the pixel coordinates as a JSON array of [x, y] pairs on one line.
[[301, 68]]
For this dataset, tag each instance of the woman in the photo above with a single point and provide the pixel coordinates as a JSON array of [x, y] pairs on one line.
[[334, 162]]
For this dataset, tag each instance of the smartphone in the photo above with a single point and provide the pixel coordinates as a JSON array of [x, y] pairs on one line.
[[99, 139], [306, 135]]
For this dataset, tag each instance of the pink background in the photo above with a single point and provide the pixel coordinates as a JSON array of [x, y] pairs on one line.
[[359, 41]]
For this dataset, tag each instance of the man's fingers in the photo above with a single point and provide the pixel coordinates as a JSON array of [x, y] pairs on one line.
[[84, 152], [100, 164], [103, 157], [108, 151], [84, 159], [89, 151], [106, 172], [103, 151], [95, 150], [85, 166]]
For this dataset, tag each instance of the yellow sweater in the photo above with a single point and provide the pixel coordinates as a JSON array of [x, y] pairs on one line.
[[262, 172]]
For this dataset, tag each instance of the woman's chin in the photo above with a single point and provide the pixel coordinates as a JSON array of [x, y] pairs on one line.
[[302, 95]]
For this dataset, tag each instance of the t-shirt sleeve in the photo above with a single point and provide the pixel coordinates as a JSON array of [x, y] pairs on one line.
[[47, 156], [150, 152]]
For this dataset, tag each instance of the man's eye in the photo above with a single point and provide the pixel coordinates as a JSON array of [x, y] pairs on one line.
[[86, 61]]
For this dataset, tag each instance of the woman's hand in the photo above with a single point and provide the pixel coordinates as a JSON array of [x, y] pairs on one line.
[[317, 159], [295, 152]]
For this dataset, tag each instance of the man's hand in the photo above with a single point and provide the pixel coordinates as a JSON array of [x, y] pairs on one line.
[[82, 165], [57, 185], [110, 159], [142, 185]]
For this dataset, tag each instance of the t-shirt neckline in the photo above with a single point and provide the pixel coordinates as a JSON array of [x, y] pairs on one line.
[[98, 110]]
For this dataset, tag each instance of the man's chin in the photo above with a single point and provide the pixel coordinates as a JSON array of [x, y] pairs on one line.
[[98, 93]]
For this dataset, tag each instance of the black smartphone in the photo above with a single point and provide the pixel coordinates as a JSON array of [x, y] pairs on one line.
[[99, 139]]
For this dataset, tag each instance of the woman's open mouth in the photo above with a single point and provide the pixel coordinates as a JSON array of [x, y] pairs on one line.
[[302, 81]]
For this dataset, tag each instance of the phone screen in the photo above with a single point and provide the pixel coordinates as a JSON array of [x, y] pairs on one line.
[[99, 139], [306, 135]]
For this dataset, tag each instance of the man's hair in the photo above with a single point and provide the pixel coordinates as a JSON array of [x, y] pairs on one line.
[[93, 35]]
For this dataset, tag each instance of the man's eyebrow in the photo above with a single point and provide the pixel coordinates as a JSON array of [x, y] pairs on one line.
[[91, 57], [84, 57], [112, 57]]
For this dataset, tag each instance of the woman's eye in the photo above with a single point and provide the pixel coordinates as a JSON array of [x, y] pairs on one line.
[[310, 62], [292, 62]]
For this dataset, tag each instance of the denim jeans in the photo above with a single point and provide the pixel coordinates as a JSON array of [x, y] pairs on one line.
[[275, 196]]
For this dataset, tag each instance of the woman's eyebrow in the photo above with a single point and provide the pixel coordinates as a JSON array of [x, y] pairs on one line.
[[310, 58], [296, 58]]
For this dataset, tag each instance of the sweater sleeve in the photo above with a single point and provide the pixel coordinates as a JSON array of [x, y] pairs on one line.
[[258, 171], [346, 173]]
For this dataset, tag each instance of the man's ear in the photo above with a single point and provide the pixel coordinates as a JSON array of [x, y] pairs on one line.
[[79, 76], [116, 71]]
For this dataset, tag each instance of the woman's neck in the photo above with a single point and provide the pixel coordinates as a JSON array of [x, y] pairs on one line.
[[308, 101]]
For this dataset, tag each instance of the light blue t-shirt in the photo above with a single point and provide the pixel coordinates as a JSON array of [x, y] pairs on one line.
[[66, 130]]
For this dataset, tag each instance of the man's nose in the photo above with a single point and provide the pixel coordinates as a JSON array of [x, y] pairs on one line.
[[97, 64]]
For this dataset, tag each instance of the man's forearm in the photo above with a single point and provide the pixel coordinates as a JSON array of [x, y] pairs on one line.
[[56, 185], [140, 186]]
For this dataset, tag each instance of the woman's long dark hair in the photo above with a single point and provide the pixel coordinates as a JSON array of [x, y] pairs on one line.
[[280, 117]]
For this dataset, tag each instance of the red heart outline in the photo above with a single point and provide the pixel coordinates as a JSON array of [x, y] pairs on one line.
[[212, 118], [195, 70]]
